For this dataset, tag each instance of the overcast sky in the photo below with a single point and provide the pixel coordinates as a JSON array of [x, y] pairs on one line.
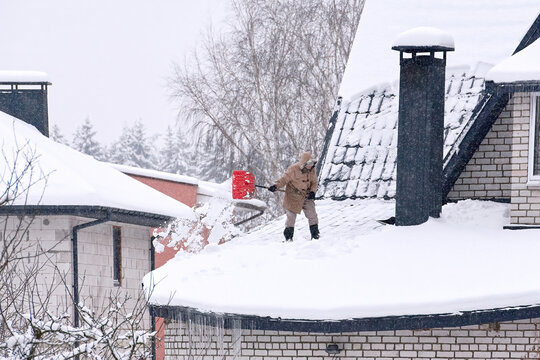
[[107, 60], [483, 30]]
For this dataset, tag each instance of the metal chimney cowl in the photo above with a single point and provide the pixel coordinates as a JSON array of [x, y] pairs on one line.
[[23, 94], [420, 124]]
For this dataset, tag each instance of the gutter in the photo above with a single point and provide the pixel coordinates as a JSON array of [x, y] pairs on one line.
[[75, 231], [151, 310], [249, 218], [383, 323]]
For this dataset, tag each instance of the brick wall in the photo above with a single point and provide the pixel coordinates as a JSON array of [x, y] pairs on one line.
[[488, 174], [53, 235], [499, 168], [96, 261], [525, 204], [507, 340]]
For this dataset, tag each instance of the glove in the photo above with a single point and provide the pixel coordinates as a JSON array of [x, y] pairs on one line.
[[272, 188], [311, 196]]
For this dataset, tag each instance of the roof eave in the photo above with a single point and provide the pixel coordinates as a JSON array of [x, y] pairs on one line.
[[386, 323], [94, 212], [512, 87]]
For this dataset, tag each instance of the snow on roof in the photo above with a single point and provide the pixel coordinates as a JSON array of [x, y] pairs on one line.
[[224, 191], [204, 188], [463, 261], [487, 31], [155, 174], [424, 36], [361, 157], [523, 66], [63, 176], [24, 77]]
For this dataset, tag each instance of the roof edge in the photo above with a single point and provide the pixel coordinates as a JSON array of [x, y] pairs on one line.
[[511, 87], [94, 212], [530, 36], [405, 322]]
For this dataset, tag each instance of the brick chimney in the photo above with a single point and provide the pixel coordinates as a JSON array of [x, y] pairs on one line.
[[420, 123], [23, 94]]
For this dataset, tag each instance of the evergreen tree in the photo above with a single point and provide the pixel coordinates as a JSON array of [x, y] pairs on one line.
[[173, 156], [57, 135], [210, 163], [84, 141], [133, 148]]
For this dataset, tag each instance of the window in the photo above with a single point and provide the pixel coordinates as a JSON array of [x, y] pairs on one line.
[[534, 139], [117, 255]]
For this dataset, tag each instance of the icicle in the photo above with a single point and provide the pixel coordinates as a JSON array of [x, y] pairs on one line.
[[237, 337], [189, 333], [220, 333]]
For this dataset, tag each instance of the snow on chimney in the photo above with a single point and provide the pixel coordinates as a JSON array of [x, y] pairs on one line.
[[23, 94], [420, 123]]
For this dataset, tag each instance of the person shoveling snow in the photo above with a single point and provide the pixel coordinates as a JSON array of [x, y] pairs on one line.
[[300, 181]]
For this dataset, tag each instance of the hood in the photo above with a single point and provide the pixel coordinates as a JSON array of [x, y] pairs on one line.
[[304, 158]]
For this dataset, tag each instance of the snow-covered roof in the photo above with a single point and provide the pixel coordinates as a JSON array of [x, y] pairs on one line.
[[486, 31], [521, 67], [59, 175], [424, 36], [23, 77], [361, 157], [155, 174], [361, 269]]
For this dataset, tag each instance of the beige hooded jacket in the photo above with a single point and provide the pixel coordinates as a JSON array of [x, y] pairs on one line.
[[298, 184]]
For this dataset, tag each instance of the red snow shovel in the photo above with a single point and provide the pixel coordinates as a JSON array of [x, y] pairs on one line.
[[244, 185]]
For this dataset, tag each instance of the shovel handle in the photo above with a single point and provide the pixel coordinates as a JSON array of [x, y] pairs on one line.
[[266, 187]]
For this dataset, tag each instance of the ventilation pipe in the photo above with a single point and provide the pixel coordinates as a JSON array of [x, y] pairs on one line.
[[422, 53]]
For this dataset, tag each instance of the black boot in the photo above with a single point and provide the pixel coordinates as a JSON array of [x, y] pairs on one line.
[[314, 231], [288, 232]]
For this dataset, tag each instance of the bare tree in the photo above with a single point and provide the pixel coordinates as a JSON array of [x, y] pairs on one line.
[[264, 91]]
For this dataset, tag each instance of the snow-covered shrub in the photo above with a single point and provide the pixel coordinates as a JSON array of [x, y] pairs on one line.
[[115, 333]]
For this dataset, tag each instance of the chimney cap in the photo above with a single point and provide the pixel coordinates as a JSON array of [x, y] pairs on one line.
[[24, 77], [424, 39]]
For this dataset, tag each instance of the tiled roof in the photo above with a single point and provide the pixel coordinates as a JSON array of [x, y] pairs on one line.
[[361, 158]]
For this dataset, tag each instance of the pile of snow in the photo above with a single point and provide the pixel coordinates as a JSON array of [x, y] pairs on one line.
[[461, 261], [49, 173], [424, 36], [523, 66]]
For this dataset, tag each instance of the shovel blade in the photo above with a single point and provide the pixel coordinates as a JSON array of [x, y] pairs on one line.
[[243, 185]]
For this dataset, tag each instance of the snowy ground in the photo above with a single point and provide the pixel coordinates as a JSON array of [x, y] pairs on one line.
[[360, 268]]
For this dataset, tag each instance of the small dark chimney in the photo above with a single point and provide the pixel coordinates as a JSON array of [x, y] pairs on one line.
[[24, 96], [420, 124]]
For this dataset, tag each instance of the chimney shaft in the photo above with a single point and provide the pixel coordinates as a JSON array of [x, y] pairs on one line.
[[420, 130], [27, 104]]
